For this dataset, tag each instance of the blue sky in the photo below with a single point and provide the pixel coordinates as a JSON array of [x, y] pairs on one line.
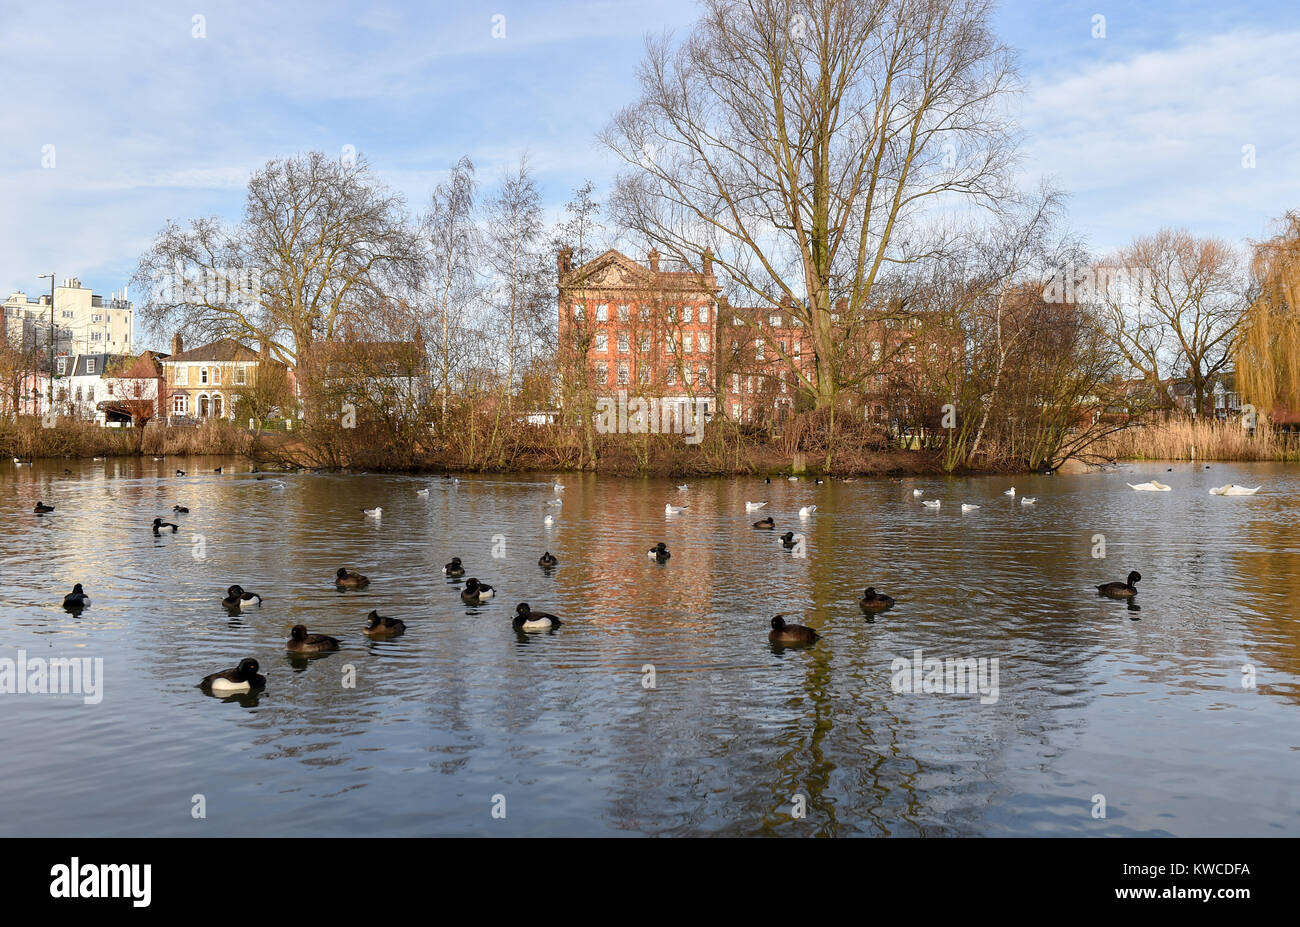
[[1143, 127]]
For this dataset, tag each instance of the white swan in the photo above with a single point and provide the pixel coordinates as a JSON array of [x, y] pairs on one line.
[[932, 503], [967, 507], [1232, 489], [807, 510], [1153, 486], [754, 506]]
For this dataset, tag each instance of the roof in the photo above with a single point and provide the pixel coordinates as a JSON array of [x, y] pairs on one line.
[[102, 361], [369, 358], [144, 367], [614, 270], [224, 349]]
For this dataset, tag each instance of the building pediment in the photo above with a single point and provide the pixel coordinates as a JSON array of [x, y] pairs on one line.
[[612, 270]]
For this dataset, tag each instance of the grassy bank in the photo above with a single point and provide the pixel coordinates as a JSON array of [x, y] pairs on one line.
[[1176, 439], [28, 439]]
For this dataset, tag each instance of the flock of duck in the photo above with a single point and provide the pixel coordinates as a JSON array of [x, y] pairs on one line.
[[246, 677]]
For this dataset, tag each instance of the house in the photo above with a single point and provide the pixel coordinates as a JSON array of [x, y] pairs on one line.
[[202, 383], [388, 375], [78, 383], [639, 328], [131, 388]]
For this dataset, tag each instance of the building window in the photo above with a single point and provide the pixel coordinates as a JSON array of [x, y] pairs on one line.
[[798, 347], [783, 385], [602, 342], [643, 343], [61, 366], [216, 405], [622, 313], [78, 394], [702, 376], [203, 378], [704, 315], [90, 394], [735, 410], [687, 341], [686, 314], [781, 344], [796, 321], [644, 312], [670, 343], [602, 373], [577, 311], [622, 375], [835, 316], [216, 375], [737, 320], [602, 313], [180, 404], [241, 375], [774, 321], [758, 351], [671, 377], [704, 343], [911, 353], [90, 365], [623, 346], [875, 350], [67, 313], [96, 317], [96, 336], [735, 383], [643, 374]]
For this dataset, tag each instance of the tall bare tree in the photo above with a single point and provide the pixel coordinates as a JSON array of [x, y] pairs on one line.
[[514, 239], [1181, 307], [454, 241], [801, 140], [321, 241]]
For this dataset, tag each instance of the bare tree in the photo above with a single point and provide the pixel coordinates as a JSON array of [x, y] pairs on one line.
[[514, 233], [321, 241], [801, 140], [1173, 302], [454, 241]]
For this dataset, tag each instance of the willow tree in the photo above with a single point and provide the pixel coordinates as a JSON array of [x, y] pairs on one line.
[[321, 242], [1268, 351], [803, 141]]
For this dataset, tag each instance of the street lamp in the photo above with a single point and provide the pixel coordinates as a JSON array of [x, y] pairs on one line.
[[50, 401]]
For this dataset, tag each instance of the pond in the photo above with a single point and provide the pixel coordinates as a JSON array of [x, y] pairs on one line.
[[659, 706]]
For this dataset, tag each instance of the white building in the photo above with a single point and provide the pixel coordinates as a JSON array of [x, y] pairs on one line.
[[83, 322]]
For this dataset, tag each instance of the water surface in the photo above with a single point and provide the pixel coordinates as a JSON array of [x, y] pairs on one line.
[[463, 715]]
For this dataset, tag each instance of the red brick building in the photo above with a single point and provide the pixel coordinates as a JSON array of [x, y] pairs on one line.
[[670, 334]]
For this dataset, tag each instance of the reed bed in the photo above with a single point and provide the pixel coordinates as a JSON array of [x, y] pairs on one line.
[[1181, 439]]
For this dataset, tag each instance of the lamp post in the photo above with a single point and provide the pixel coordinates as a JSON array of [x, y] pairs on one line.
[[50, 399]]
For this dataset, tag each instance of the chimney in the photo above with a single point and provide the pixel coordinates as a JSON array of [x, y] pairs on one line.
[[654, 260], [177, 344], [564, 260], [708, 261]]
